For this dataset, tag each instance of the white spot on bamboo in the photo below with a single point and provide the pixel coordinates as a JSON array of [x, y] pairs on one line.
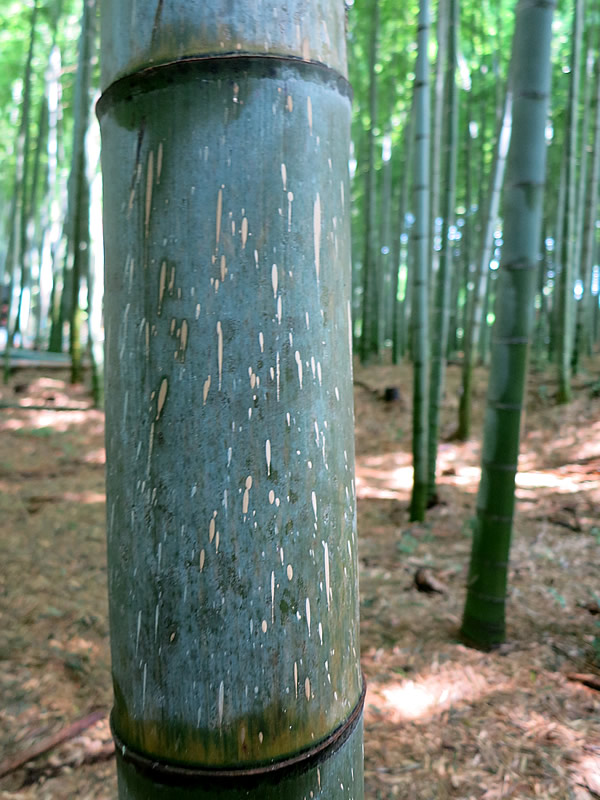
[[326, 563], [296, 677], [260, 737], [307, 688], [223, 268], [279, 309], [205, 390], [274, 279], [299, 363], [349, 316], [244, 232], [268, 455], [264, 626], [306, 49], [159, 158], [219, 212], [290, 572], [277, 374], [309, 113], [317, 233], [314, 503], [149, 179], [211, 527], [289, 103], [307, 605], [220, 351], [246, 497], [284, 177], [162, 280], [202, 559], [221, 702], [184, 336], [272, 598], [162, 396], [290, 197], [137, 636]]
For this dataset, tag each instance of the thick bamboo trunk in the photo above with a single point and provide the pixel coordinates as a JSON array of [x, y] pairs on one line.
[[566, 300], [370, 280], [475, 318], [420, 302], [18, 216], [440, 320], [79, 187], [230, 463], [484, 615]]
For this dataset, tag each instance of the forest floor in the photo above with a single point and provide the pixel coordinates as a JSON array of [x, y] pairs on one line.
[[441, 720]]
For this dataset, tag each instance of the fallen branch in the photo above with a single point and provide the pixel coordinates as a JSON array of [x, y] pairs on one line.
[[101, 752], [587, 679], [70, 732]]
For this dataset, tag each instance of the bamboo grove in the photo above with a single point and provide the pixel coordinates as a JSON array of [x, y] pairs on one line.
[[458, 254]]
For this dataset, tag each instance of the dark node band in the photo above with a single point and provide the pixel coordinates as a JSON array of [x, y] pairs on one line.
[[203, 66], [179, 775]]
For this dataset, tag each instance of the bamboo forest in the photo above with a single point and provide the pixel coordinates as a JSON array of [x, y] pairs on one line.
[[300, 399]]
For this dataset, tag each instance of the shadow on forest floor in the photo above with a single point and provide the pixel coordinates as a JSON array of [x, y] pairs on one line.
[[441, 720]]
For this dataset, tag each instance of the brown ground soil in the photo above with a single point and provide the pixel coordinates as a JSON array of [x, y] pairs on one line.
[[441, 720]]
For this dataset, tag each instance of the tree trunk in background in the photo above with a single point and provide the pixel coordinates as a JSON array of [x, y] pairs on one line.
[[475, 317], [420, 304], [19, 221], [565, 296], [384, 312], [584, 306], [553, 344], [79, 187], [441, 312], [436, 137], [370, 283], [484, 615], [400, 311], [229, 416], [52, 202]]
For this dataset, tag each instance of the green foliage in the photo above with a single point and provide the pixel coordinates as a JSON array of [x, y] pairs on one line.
[[15, 22]]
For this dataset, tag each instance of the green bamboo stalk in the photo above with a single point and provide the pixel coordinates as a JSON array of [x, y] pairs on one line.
[[232, 543], [553, 343], [475, 317], [437, 132], [565, 297], [19, 215], [421, 238], [400, 306], [484, 614], [79, 188], [441, 312], [582, 343], [370, 282], [385, 251]]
